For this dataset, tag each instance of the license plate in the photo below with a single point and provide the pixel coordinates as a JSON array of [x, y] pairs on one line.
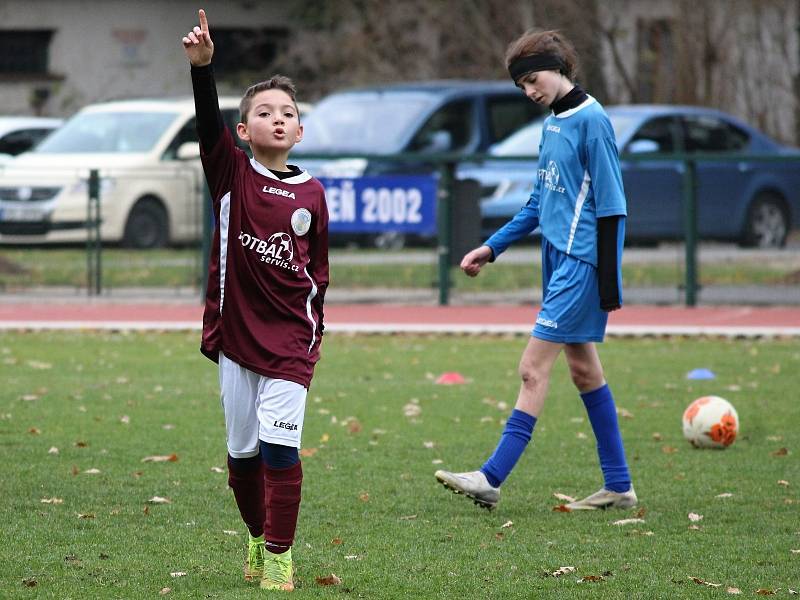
[[22, 213]]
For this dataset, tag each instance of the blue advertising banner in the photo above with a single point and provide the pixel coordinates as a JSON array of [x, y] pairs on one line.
[[402, 203]]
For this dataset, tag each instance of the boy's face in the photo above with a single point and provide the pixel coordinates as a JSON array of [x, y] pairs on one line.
[[272, 122], [543, 87]]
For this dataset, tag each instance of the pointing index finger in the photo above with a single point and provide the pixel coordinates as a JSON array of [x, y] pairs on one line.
[[203, 21]]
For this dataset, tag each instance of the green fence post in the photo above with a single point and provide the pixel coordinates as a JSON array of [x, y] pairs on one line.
[[690, 229], [93, 241], [205, 247], [445, 227]]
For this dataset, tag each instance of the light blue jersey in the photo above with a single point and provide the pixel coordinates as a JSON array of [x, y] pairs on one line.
[[569, 195]]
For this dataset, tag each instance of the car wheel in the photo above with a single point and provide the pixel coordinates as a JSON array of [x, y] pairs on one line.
[[767, 223], [147, 225]]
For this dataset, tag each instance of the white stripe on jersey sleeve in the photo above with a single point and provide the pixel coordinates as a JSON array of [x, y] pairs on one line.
[[578, 207], [312, 294], [224, 219]]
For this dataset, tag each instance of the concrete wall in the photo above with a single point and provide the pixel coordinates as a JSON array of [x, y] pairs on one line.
[[117, 48]]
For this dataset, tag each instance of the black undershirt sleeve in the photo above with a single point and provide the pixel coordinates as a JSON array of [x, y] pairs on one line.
[[206, 107], [607, 276]]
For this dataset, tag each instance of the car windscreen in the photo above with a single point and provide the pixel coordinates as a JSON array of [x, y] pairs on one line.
[[108, 132], [525, 142], [363, 122]]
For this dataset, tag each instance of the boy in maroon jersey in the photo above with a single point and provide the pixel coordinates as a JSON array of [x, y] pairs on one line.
[[263, 316]]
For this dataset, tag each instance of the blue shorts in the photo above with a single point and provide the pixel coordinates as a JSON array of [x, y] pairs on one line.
[[570, 312]]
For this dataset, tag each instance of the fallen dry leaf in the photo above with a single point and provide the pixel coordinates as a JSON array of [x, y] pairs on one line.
[[694, 527], [92, 471], [230, 532], [724, 495], [364, 497], [30, 582], [657, 437], [86, 515], [412, 410], [562, 571], [159, 500], [733, 590], [783, 482], [624, 413], [640, 513], [164, 591], [793, 551], [591, 578], [53, 450], [125, 420], [699, 581], [563, 497], [562, 508], [408, 518], [336, 541], [325, 437], [34, 431], [308, 452], [351, 557], [694, 517], [81, 444], [766, 592], [628, 521], [177, 574], [507, 524], [51, 501], [217, 470], [353, 425], [161, 458], [669, 449], [781, 452], [331, 579]]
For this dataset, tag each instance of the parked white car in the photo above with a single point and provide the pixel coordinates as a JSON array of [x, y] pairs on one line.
[[20, 134], [147, 155]]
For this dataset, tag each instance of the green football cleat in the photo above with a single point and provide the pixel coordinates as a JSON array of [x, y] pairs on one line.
[[278, 572], [254, 564]]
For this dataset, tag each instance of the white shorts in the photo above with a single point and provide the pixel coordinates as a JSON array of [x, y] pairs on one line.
[[259, 408]]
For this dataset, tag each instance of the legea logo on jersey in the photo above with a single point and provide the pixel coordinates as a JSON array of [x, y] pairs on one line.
[[277, 250], [278, 192], [551, 176]]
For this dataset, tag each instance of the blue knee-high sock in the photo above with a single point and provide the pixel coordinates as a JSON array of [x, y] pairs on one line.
[[515, 437], [603, 417]]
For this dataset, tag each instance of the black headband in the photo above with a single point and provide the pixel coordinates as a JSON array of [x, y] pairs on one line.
[[535, 62]]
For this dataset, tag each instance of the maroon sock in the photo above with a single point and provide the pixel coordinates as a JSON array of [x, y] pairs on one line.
[[246, 479], [283, 506]]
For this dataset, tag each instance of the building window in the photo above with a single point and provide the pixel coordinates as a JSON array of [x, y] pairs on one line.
[[656, 52], [246, 50], [24, 52]]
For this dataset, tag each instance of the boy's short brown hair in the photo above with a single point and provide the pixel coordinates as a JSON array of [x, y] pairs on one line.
[[536, 41], [276, 82]]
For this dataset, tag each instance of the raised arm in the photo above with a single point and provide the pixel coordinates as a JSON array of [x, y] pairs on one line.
[[199, 50]]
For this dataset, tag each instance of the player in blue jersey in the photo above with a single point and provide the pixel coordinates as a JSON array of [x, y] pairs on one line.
[[579, 204]]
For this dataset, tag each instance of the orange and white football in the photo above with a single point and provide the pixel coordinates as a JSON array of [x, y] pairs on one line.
[[710, 422]]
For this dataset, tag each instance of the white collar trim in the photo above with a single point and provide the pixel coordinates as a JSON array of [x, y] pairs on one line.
[[302, 177], [568, 113]]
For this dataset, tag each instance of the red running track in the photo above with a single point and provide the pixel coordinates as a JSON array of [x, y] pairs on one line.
[[641, 318]]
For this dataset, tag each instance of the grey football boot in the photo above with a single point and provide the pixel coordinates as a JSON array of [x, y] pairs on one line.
[[473, 485], [605, 499]]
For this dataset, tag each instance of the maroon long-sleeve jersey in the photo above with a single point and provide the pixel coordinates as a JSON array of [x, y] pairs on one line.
[[268, 269]]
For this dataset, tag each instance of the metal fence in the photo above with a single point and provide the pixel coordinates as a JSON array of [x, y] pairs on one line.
[[688, 270]]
